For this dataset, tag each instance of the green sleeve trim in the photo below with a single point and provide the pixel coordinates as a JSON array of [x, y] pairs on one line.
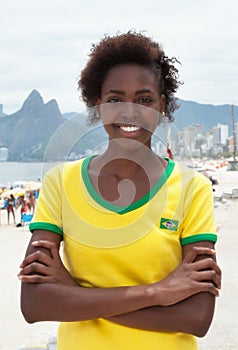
[[45, 226], [198, 238]]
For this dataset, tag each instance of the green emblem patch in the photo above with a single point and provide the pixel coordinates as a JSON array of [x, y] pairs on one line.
[[168, 224]]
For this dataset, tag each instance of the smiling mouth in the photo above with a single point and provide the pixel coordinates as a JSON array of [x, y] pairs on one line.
[[129, 128]]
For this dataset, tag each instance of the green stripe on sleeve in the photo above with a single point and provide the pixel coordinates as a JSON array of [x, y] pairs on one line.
[[45, 226], [212, 237]]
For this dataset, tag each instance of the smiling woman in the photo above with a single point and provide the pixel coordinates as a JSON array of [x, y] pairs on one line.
[[139, 268], [134, 90]]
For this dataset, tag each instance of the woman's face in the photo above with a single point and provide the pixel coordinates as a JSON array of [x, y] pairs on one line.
[[131, 103]]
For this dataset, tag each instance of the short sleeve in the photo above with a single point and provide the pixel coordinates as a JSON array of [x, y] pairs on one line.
[[48, 215], [199, 222]]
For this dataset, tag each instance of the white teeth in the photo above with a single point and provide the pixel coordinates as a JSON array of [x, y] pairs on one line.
[[130, 128]]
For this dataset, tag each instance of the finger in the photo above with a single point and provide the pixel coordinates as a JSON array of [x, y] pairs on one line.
[[34, 279], [209, 276], [44, 244], [207, 263], [48, 245], [195, 251], [35, 268], [37, 256], [207, 287]]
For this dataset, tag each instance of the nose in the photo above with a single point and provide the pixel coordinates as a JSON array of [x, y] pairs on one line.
[[129, 111]]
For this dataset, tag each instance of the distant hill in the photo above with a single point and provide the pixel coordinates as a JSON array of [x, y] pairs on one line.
[[1, 111], [27, 132], [38, 125], [207, 115]]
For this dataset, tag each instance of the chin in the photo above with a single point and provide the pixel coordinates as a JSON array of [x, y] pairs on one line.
[[127, 145]]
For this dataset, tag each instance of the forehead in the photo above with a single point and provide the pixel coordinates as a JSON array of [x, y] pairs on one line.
[[128, 74]]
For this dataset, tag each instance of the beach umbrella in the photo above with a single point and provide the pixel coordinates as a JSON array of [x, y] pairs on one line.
[[32, 186], [19, 183], [18, 191], [6, 194]]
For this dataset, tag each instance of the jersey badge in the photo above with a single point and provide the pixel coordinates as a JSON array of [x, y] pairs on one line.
[[168, 224]]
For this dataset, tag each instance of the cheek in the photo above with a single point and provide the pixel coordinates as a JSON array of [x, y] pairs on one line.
[[151, 120], [109, 112]]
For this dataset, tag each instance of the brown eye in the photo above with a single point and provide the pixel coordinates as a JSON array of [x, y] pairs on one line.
[[145, 100], [113, 100]]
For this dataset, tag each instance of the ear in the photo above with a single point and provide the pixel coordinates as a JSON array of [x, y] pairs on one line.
[[98, 102], [97, 109]]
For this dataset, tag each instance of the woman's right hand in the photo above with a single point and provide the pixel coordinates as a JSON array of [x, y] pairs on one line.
[[190, 277], [39, 267]]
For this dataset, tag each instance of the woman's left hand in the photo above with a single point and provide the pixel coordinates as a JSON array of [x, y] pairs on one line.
[[38, 267]]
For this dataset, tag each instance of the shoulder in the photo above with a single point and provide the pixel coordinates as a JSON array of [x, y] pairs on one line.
[[62, 169], [190, 182], [190, 175], [63, 174]]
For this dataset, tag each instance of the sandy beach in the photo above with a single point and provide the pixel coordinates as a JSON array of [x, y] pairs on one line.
[[16, 334]]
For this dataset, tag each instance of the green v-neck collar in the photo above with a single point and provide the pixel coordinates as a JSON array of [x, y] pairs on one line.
[[125, 209]]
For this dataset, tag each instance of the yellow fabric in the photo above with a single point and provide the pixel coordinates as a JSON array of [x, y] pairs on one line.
[[105, 249]]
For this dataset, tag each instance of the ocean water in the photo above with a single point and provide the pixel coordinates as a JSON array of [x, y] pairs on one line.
[[16, 171]]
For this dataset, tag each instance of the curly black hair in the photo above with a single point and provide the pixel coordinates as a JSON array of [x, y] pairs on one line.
[[131, 47]]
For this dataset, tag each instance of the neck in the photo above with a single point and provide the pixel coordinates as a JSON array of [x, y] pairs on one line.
[[126, 165]]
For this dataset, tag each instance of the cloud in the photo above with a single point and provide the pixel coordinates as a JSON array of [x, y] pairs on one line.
[[45, 44]]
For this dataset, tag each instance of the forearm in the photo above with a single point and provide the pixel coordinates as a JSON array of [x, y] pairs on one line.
[[193, 316], [52, 302], [49, 293]]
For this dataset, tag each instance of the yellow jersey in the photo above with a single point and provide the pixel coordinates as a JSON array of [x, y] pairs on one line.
[[108, 246]]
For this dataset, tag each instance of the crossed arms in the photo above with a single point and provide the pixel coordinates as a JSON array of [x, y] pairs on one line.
[[182, 302]]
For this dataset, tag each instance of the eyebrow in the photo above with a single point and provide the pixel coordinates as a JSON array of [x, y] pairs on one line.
[[120, 92]]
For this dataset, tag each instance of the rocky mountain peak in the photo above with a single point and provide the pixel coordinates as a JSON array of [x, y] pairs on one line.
[[52, 105], [33, 101]]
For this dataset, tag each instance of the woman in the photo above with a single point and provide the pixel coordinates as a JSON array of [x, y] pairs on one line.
[[10, 208], [32, 202], [138, 230]]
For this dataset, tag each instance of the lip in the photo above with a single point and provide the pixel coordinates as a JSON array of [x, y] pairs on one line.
[[128, 130]]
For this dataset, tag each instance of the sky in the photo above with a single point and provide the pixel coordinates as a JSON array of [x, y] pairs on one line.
[[44, 44]]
